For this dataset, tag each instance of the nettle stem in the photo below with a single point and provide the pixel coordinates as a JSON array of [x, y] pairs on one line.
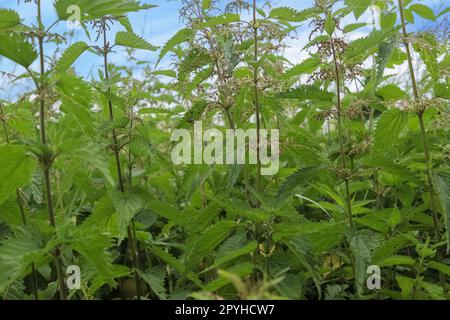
[[46, 163], [130, 229], [426, 146], [420, 112], [341, 135], [21, 208], [257, 106]]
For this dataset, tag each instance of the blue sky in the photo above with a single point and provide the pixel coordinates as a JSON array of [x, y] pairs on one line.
[[156, 25]]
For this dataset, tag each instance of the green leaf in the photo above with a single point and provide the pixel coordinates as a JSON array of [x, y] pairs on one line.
[[307, 92], [291, 15], [299, 249], [233, 248], [389, 247], [91, 10], [306, 66], [9, 212], [362, 256], [193, 114], [70, 56], [112, 214], [180, 37], [206, 4], [361, 48], [330, 24], [167, 73], [358, 6], [132, 40], [397, 260], [409, 16], [353, 26], [388, 20], [427, 49], [94, 249], [223, 19], [127, 206], [125, 22], [175, 263], [74, 90], [300, 179], [16, 169], [389, 127], [199, 245], [439, 267], [394, 218], [435, 291], [8, 19], [423, 11], [17, 49], [239, 270], [155, 278], [406, 285], [443, 192], [18, 251], [391, 92]]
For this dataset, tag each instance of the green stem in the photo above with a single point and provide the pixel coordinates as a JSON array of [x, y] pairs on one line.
[[46, 162], [426, 147], [341, 136], [257, 106], [5, 129], [130, 229]]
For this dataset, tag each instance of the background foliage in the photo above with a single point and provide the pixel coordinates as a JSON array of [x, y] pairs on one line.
[[86, 177]]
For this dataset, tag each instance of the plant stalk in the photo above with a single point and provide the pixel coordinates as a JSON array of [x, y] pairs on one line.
[[257, 105], [341, 136], [426, 146], [130, 229], [46, 162]]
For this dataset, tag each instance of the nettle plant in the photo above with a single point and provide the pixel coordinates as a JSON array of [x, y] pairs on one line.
[[87, 178]]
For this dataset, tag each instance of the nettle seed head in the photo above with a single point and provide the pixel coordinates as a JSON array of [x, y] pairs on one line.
[[420, 106], [327, 114], [323, 75], [103, 24], [343, 173], [446, 152], [360, 148]]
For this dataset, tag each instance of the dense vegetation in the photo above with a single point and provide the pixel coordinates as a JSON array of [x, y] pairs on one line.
[[86, 176]]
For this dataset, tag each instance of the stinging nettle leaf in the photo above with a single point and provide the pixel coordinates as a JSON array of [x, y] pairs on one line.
[[70, 56], [223, 19], [16, 169], [132, 40], [17, 49], [90, 10], [8, 19], [423, 11], [180, 37], [389, 127]]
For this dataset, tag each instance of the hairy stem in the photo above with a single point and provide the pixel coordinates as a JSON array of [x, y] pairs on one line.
[[130, 228], [426, 147], [341, 136], [46, 163], [257, 106]]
